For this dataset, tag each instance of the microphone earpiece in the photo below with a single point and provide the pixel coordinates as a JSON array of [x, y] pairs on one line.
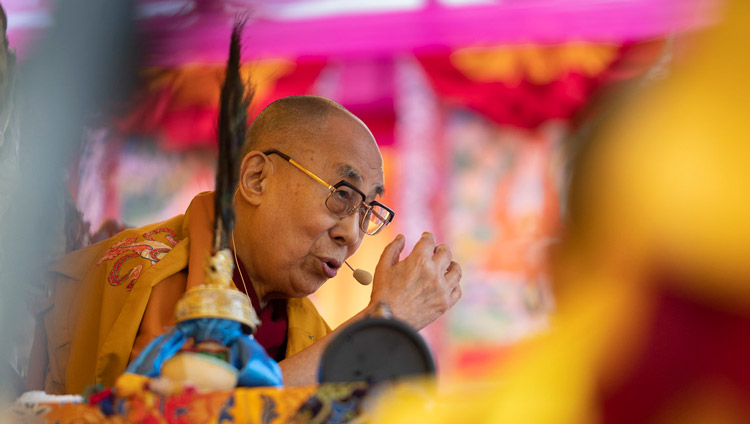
[[363, 277]]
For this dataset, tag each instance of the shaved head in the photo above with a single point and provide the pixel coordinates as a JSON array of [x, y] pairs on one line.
[[293, 122], [287, 236]]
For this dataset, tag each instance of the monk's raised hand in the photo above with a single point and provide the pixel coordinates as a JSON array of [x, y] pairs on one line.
[[420, 288]]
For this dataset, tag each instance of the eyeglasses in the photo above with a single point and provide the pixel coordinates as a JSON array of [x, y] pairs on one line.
[[344, 199]]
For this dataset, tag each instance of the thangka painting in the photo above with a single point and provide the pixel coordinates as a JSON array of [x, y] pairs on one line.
[[503, 216]]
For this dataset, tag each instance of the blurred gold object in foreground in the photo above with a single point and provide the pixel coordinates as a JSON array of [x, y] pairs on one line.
[[653, 270]]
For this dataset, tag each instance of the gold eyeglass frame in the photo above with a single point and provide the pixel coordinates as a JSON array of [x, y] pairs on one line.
[[332, 189]]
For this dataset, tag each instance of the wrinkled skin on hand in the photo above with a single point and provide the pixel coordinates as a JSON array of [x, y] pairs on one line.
[[421, 287]]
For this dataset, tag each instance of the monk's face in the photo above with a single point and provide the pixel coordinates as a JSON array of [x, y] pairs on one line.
[[303, 244]]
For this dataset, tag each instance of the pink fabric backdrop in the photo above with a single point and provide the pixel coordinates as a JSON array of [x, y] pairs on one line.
[[183, 31]]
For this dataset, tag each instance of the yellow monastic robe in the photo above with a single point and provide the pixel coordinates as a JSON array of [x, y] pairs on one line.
[[110, 299]]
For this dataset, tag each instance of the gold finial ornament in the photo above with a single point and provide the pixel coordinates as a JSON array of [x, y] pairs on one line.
[[216, 298]]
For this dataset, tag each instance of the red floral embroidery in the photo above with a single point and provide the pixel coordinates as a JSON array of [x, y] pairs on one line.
[[130, 248]]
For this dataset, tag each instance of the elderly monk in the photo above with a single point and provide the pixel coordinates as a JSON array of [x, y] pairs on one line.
[[309, 179]]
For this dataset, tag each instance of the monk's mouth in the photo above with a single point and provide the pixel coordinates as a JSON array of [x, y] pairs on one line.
[[330, 267]]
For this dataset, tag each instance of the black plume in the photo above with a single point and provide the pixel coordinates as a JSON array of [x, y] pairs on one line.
[[235, 100]]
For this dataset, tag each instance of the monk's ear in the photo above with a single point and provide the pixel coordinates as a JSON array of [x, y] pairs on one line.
[[254, 172]]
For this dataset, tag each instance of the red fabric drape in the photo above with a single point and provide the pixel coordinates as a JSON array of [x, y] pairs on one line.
[[179, 107], [517, 98]]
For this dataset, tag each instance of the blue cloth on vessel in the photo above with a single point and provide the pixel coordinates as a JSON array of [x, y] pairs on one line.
[[253, 364]]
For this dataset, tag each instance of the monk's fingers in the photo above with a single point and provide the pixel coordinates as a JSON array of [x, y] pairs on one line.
[[453, 274], [424, 248], [455, 295], [391, 253], [442, 257]]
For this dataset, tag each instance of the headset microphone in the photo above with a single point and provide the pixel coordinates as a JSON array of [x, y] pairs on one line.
[[363, 277]]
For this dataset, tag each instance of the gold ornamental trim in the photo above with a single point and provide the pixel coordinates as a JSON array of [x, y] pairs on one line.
[[217, 298]]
